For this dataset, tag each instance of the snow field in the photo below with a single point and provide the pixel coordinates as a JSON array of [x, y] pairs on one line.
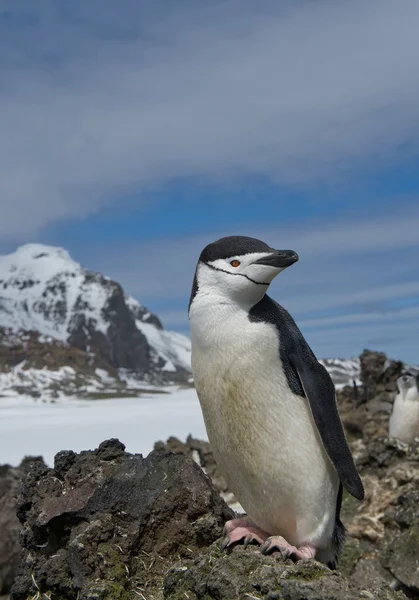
[[29, 427]]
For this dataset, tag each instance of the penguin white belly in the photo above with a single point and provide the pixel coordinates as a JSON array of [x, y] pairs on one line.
[[404, 420], [263, 435]]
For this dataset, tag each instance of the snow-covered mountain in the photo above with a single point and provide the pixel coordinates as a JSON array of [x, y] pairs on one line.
[[343, 371], [42, 289]]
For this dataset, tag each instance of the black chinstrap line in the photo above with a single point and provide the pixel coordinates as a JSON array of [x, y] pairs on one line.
[[240, 274]]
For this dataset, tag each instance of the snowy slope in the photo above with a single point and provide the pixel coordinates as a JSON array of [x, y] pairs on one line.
[[43, 289], [173, 347], [343, 371]]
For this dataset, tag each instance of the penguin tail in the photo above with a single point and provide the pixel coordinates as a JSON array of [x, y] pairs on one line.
[[329, 556]]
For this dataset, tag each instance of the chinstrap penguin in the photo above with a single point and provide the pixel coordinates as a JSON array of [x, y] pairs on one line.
[[404, 420], [269, 406]]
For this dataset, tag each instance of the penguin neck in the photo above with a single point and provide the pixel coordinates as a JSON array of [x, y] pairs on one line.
[[211, 312], [204, 305], [406, 391], [411, 394]]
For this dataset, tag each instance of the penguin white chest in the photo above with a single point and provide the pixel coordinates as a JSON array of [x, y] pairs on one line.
[[404, 419], [263, 435]]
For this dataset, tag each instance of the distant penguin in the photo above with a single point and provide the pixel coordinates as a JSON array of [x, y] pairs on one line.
[[269, 406], [404, 420]]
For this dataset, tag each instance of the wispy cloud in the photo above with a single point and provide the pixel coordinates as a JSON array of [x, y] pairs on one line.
[[332, 253], [100, 100]]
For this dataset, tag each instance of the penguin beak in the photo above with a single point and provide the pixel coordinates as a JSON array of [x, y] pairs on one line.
[[280, 259]]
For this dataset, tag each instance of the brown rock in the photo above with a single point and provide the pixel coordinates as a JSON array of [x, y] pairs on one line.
[[98, 523], [37, 351]]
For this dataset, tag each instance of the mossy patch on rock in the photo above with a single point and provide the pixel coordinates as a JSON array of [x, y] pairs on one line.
[[351, 554], [401, 557], [108, 523], [246, 573]]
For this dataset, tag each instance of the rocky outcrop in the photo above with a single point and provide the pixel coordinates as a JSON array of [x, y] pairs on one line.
[[378, 376], [200, 451], [365, 410], [106, 524], [10, 550], [9, 526], [35, 351]]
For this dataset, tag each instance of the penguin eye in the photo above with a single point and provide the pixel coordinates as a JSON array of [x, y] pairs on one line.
[[235, 263]]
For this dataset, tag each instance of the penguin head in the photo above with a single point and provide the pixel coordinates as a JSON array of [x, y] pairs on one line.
[[407, 381], [239, 268]]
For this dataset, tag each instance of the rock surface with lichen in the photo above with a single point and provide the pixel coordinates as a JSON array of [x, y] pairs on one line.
[[109, 525]]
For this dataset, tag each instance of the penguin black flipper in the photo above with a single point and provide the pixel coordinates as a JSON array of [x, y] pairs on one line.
[[307, 377], [320, 393]]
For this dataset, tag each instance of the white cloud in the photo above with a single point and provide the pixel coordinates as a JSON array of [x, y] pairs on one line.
[[392, 318], [111, 101]]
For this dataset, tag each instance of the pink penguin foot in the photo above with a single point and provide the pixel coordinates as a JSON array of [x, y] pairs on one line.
[[242, 529], [277, 542]]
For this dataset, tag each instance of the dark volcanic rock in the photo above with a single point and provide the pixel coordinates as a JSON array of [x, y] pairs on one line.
[[201, 452], [366, 414], [106, 524], [10, 527], [378, 376], [372, 366], [123, 345], [95, 525], [111, 525]]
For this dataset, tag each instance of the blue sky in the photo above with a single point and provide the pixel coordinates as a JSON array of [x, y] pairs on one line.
[[134, 133]]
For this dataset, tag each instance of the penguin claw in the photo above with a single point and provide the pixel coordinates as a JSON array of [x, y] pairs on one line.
[[241, 530], [232, 524], [264, 549], [225, 543], [278, 543]]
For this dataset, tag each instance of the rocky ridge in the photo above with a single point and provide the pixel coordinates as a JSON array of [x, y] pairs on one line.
[[41, 367]]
